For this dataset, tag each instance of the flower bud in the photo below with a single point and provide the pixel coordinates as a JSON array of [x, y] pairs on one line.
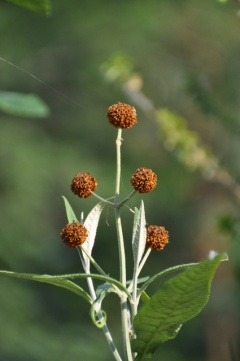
[[74, 234], [83, 184], [122, 115], [144, 180], [157, 238]]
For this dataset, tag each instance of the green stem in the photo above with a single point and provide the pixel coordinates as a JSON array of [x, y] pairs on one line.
[[106, 201], [133, 284], [122, 258], [127, 198], [94, 263], [105, 327]]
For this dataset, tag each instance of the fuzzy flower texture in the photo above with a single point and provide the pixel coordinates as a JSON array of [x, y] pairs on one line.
[[83, 184], [74, 234], [157, 238], [144, 180], [122, 115]]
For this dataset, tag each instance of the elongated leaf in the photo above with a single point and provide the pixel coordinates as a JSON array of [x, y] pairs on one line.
[[136, 215], [164, 273], [110, 280], [91, 223], [56, 281], [70, 213], [24, 105], [180, 299], [139, 236], [39, 6]]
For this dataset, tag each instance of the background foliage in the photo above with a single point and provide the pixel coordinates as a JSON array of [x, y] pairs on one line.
[[187, 54]]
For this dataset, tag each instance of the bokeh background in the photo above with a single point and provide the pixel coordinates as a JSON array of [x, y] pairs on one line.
[[186, 56]]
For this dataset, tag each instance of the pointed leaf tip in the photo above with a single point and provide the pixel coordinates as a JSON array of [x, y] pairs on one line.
[[91, 223], [139, 235], [179, 300], [69, 211]]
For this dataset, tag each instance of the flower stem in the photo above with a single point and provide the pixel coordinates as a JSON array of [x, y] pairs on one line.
[[127, 198], [106, 201], [134, 283], [94, 263], [122, 258], [105, 327]]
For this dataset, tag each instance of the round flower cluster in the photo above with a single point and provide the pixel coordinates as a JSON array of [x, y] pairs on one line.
[[74, 234], [157, 238], [83, 184], [122, 115], [144, 180]]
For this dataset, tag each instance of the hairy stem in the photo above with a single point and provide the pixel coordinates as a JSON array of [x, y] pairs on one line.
[[134, 284], [105, 327], [122, 258]]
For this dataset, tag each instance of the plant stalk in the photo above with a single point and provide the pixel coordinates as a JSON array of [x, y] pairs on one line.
[[122, 258], [105, 327]]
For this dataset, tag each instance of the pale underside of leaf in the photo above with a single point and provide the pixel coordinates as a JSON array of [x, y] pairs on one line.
[[91, 223], [139, 236]]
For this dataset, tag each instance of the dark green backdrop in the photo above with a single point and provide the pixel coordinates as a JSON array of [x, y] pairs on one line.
[[170, 43]]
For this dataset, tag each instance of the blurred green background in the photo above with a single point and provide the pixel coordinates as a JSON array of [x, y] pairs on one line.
[[187, 54]]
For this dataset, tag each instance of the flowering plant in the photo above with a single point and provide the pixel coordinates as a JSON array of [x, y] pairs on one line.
[[147, 321]]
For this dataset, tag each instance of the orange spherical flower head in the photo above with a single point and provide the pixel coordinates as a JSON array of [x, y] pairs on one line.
[[122, 115], [74, 234], [144, 180], [157, 238], [83, 184]]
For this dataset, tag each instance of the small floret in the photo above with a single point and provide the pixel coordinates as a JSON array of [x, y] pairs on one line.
[[157, 238], [83, 184], [122, 115], [144, 180], [74, 234]]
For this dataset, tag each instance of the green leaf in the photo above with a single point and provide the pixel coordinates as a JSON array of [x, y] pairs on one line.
[[144, 297], [179, 300], [110, 280], [24, 105], [164, 273], [56, 281], [70, 213], [39, 6]]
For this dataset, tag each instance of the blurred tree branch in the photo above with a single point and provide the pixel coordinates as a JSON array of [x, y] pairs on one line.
[[183, 143]]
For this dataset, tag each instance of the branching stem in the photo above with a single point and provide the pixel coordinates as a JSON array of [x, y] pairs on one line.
[[122, 258]]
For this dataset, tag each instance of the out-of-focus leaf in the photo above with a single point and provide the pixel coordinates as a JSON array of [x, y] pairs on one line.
[[179, 300], [39, 6], [186, 144], [24, 105]]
